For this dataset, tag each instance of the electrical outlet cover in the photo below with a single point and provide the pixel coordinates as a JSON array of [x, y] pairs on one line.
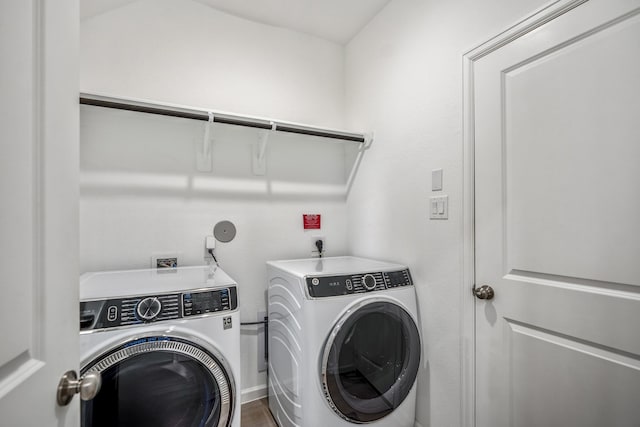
[[162, 260], [314, 249]]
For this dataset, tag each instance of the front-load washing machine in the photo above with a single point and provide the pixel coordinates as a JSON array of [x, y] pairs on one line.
[[167, 345], [344, 343]]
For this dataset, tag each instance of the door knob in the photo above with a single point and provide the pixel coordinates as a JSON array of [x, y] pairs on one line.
[[88, 386], [484, 292]]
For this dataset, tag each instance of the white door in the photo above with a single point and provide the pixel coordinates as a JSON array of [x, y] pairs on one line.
[[39, 209], [556, 110]]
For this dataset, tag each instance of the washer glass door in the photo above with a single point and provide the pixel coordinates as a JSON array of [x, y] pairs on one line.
[[370, 361], [159, 382]]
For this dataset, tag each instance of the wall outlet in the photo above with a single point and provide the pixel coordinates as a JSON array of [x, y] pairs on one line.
[[165, 260], [314, 248], [171, 262], [209, 243]]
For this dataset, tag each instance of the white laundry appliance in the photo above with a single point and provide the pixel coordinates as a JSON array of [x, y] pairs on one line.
[[167, 345], [344, 343]]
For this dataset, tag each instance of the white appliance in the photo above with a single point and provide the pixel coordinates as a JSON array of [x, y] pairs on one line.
[[344, 343], [167, 345]]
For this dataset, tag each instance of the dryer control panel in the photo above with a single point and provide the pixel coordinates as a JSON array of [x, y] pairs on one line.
[[331, 286], [136, 310]]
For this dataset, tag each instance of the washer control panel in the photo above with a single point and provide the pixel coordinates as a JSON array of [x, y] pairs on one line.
[[200, 303], [331, 286], [118, 312]]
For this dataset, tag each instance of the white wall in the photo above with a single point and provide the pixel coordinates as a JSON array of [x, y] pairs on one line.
[[404, 81], [183, 52], [140, 191]]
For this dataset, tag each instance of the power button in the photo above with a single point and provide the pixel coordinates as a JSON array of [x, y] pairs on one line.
[[112, 313], [315, 281]]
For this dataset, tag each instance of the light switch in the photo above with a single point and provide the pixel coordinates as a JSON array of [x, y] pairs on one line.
[[439, 207], [436, 180]]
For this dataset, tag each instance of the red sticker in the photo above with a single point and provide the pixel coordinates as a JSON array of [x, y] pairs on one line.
[[311, 221]]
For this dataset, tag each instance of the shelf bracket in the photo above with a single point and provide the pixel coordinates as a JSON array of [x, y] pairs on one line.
[[368, 140], [204, 156], [259, 157]]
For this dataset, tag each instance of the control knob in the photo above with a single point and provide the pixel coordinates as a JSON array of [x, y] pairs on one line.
[[149, 308], [369, 282]]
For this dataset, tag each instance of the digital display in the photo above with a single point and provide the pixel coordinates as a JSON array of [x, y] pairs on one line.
[[205, 302], [397, 278]]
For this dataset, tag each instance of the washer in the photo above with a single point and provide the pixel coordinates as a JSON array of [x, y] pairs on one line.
[[344, 343], [167, 345]]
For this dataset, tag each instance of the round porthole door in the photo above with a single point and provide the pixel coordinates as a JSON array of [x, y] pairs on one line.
[[370, 361], [159, 381]]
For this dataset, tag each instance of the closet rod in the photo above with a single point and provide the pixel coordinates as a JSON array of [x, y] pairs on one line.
[[218, 118]]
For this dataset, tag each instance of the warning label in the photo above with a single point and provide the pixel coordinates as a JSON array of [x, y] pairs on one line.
[[311, 221]]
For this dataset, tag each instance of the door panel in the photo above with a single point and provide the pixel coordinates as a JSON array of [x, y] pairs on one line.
[[17, 186], [570, 156], [578, 383], [38, 212], [557, 202]]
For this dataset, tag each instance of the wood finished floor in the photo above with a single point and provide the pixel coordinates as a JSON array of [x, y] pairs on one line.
[[256, 414]]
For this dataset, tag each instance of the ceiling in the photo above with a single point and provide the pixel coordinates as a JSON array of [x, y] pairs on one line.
[[335, 20]]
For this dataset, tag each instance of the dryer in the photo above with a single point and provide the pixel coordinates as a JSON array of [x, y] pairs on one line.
[[167, 345], [344, 343]]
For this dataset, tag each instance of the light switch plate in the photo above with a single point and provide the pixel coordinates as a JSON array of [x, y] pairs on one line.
[[439, 207], [436, 180]]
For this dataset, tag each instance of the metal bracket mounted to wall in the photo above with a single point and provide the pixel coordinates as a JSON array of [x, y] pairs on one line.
[[204, 156], [259, 157]]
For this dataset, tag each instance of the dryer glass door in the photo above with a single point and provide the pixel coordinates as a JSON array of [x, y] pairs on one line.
[[370, 361], [159, 382]]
